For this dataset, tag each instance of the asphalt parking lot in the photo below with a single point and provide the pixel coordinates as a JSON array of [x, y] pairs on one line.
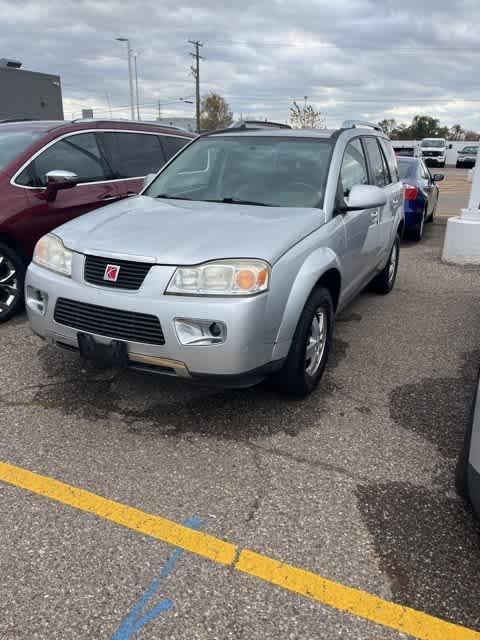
[[354, 484]]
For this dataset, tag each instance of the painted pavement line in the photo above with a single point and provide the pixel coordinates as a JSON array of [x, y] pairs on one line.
[[310, 585]]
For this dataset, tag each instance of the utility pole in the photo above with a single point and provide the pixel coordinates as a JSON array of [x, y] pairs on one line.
[[196, 74]]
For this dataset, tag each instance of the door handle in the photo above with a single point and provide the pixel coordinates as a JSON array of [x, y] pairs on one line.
[[374, 215], [108, 196]]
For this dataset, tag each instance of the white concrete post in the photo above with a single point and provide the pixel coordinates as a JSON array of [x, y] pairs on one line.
[[462, 236]]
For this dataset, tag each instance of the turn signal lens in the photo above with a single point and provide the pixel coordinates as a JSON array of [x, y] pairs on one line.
[[245, 279]]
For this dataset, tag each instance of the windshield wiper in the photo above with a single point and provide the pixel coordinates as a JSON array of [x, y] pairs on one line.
[[169, 197], [235, 201]]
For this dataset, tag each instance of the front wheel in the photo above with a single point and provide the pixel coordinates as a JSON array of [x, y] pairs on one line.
[[383, 282], [310, 346], [12, 277]]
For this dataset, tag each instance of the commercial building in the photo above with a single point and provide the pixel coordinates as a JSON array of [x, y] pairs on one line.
[[28, 94]]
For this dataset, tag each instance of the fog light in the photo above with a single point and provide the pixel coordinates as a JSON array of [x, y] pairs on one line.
[[200, 332], [37, 300]]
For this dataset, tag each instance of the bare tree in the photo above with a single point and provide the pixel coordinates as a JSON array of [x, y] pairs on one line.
[[306, 117], [456, 132], [388, 125]]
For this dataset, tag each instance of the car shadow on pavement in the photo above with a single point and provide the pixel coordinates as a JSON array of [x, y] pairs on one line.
[[160, 405]]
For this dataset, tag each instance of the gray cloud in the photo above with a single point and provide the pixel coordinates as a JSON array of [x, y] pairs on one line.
[[353, 58]]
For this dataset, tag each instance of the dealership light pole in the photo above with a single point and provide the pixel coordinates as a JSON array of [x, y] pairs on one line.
[[135, 56], [130, 81], [462, 236]]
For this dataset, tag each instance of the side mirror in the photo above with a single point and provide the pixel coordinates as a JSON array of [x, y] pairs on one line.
[[147, 179], [438, 177], [365, 196], [450, 146], [57, 180]]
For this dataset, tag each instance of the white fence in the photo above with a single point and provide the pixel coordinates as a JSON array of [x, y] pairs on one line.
[[451, 153]]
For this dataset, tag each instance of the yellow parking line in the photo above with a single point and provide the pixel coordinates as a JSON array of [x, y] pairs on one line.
[[354, 601]]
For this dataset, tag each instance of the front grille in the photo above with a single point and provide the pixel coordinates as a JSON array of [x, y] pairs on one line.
[[130, 275], [112, 323], [432, 154]]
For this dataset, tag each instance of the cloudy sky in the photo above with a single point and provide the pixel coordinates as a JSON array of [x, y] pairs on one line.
[[352, 58]]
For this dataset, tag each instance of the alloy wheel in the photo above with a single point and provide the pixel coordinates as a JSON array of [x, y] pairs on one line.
[[392, 266], [316, 342], [9, 292]]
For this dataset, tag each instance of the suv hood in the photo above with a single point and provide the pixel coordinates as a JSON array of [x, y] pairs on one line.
[[177, 232]]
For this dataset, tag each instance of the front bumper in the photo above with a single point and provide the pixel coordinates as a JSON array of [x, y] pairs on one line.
[[244, 357], [440, 160]]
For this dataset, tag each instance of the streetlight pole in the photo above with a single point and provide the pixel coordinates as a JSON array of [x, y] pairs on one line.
[[130, 81], [135, 55]]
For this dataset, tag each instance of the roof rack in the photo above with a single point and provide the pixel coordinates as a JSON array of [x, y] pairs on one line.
[[16, 120], [353, 124], [128, 121], [259, 124]]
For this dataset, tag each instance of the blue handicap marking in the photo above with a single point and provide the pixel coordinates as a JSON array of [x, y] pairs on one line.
[[138, 617]]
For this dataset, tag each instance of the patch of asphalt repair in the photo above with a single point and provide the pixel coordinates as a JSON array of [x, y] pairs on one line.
[[426, 537]]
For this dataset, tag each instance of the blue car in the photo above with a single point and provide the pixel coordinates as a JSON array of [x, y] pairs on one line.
[[421, 194]]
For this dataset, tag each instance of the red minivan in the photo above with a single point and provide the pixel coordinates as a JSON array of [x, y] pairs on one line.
[[51, 172]]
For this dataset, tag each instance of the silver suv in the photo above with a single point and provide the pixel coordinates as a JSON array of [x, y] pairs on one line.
[[232, 262]]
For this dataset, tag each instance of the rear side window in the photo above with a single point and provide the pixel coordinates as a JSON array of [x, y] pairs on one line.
[[379, 172], [78, 153], [133, 155], [172, 145], [391, 159], [354, 167]]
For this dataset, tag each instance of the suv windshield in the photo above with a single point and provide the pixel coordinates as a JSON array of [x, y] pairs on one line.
[[469, 150], [433, 143], [13, 142], [270, 171]]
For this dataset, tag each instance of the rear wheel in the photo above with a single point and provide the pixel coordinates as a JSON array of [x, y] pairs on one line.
[[417, 233], [383, 283], [12, 278], [310, 346]]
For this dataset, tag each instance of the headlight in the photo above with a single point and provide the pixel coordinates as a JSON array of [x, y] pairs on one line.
[[51, 254], [221, 278]]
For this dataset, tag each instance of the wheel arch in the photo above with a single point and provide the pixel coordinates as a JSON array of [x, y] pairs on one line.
[[321, 268], [9, 240]]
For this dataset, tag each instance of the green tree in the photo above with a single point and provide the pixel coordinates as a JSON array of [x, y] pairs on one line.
[[215, 112], [427, 127], [306, 117]]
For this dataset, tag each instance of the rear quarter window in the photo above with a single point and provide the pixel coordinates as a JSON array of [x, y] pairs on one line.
[[391, 159], [172, 145]]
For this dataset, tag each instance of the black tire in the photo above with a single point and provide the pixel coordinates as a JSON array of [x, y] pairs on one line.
[[462, 463], [294, 377], [431, 217], [384, 282], [417, 233], [12, 278], [458, 165], [442, 166]]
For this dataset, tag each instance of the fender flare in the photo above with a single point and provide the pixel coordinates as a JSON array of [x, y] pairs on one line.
[[318, 263]]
